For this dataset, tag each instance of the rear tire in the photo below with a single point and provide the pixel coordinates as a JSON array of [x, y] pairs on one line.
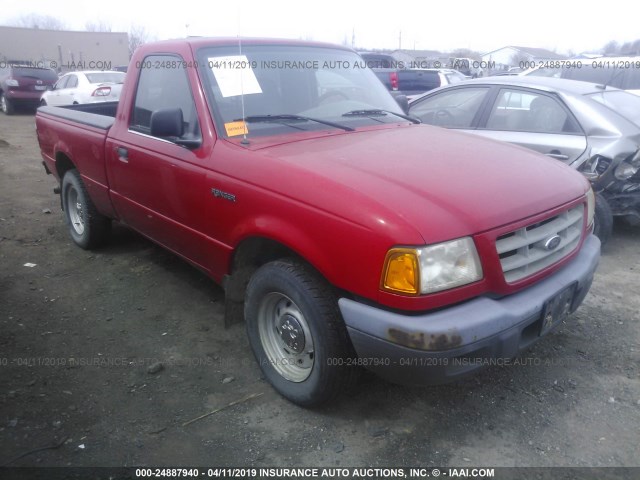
[[297, 334], [6, 105], [88, 228], [602, 220]]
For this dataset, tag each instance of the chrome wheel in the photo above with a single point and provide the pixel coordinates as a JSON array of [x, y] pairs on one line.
[[285, 337], [76, 214], [3, 103]]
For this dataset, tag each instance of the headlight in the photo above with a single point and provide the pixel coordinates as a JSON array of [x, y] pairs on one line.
[[629, 167], [414, 271], [591, 207], [12, 82]]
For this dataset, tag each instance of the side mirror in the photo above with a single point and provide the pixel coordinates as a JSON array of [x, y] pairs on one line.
[[167, 122], [403, 101]]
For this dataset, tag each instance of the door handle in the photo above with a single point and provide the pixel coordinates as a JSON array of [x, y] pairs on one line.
[[557, 156], [123, 154]]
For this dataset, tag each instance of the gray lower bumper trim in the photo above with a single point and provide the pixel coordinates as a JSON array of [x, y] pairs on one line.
[[474, 320]]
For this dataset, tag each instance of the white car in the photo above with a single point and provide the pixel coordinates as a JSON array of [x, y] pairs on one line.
[[85, 87]]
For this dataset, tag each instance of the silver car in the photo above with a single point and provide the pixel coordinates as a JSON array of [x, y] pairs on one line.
[[593, 128]]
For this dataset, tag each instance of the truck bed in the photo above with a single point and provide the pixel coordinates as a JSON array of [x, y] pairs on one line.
[[98, 115]]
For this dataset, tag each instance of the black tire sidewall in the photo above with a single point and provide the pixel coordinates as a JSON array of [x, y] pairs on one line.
[[9, 105], [316, 389], [603, 219]]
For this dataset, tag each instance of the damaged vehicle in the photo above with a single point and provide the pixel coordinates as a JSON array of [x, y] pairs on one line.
[[593, 128]]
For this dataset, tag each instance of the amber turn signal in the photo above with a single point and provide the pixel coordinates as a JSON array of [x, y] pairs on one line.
[[401, 272]]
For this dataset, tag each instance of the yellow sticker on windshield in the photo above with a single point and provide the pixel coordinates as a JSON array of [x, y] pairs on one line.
[[236, 128]]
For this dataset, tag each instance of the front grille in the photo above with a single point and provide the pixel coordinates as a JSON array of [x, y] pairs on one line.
[[523, 253]]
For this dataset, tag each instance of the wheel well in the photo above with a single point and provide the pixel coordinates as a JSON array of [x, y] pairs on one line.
[[250, 255], [63, 163]]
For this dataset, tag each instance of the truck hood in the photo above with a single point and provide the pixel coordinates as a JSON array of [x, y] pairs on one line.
[[442, 183]]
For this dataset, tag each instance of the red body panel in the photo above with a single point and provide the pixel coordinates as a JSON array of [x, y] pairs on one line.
[[338, 199]]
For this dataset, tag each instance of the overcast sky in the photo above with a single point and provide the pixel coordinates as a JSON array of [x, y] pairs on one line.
[[479, 25]]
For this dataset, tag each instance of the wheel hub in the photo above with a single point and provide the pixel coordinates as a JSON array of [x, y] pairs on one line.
[[291, 333]]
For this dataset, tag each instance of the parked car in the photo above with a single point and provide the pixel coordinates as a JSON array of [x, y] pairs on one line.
[[85, 87], [503, 74], [467, 66], [619, 72], [341, 238], [595, 129], [23, 85], [409, 81]]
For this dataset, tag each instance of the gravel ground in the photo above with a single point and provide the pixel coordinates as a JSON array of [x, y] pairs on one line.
[[81, 335]]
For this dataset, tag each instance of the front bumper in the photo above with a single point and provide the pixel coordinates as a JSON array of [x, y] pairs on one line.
[[451, 343]]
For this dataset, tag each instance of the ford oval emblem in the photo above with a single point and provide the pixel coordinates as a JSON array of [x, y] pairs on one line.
[[552, 242]]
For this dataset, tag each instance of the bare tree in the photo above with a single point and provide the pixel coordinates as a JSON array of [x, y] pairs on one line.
[[33, 20], [521, 60], [100, 26], [630, 48], [611, 47], [627, 48], [138, 35], [465, 53]]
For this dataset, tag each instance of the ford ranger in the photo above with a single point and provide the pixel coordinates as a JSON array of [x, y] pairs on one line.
[[344, 233]]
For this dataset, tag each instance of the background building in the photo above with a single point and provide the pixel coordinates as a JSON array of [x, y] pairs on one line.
[[64, 50]]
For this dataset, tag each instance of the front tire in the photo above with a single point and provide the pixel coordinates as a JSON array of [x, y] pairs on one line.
[[297, 334], [87, 227], [602, 220], [6, 105]]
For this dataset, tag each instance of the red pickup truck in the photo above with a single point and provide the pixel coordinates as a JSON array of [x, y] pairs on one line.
[[343, 232]]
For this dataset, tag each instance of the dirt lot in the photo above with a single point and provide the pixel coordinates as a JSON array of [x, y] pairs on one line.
[[79, 331]]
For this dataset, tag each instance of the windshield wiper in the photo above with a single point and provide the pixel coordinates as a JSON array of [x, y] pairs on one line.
[[277, 118], [377, 111]]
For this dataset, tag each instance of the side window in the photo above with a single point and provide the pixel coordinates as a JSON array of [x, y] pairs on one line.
[[61, 83], [164, 85], [73, 82], [455, 108], [522, 111]]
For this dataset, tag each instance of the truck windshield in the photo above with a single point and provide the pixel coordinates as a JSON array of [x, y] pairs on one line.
[[247, 86]]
